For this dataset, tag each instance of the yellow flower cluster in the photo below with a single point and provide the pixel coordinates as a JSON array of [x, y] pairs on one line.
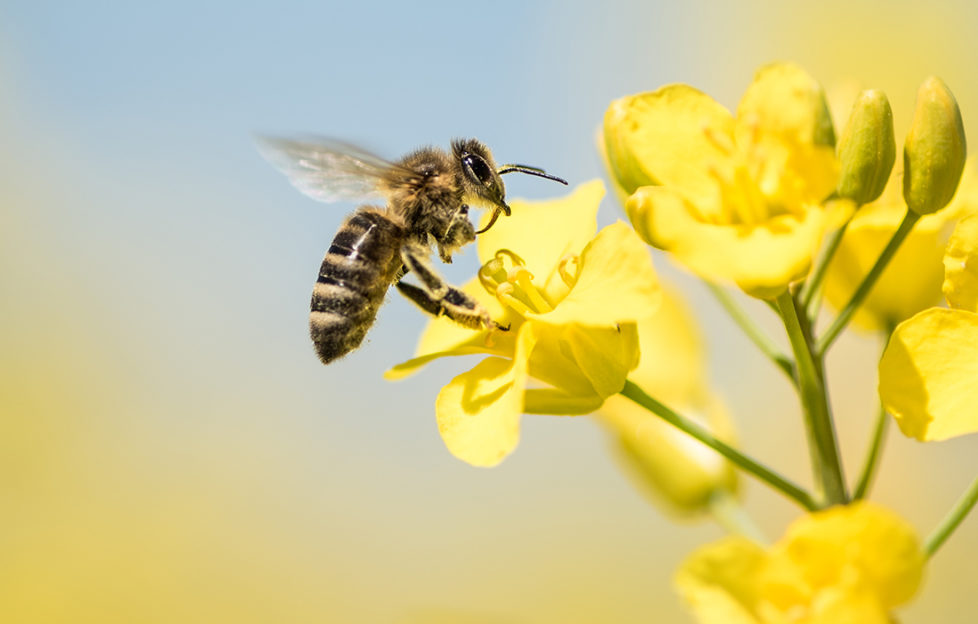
[[734, 198], [744, 198], [844, 565]]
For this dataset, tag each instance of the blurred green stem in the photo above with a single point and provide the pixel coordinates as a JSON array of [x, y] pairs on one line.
[[757, 336], [744, 462], [809, 295], [952, 520], [731, 515], [840, 322], [872, 455]]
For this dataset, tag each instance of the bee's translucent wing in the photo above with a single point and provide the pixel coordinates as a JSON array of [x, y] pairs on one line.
[[327, 170]]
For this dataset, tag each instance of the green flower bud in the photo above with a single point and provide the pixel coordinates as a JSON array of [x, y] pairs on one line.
[[824, 128], [867, 148], [934, 152]]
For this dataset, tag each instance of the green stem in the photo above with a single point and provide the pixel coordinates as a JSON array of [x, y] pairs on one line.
[[758, 337], [872, 455], [840, 322], [731, 515], [952, 519], [744, 462], [822, 445], [809, 292]]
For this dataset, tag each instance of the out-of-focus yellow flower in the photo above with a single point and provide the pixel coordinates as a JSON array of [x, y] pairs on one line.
[[961, 265], [571, 300], [733, 198], [676, 470], [929, 369], [911, 281], [844, 565]]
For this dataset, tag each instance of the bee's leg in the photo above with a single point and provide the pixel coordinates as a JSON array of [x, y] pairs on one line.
[[463, 314], [437, 297]]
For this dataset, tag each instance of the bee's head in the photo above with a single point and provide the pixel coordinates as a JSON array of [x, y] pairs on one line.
[[482, 181]]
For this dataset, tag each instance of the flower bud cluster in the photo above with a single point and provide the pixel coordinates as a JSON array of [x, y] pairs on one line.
[[933, 153]]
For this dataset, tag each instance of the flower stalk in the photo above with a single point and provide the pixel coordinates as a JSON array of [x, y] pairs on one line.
[[952, 520], [809, 295], [756, 335], [825, 340], [765, 474], [823, 448], [872, 455]]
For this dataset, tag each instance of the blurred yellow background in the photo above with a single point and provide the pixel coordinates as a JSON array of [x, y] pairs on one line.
[[171, 450]]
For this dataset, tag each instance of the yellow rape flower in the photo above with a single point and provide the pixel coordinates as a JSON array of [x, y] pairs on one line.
[[675, 469], [929, 369], [844, 565], [570, 297], [911, 281], [732, 198]]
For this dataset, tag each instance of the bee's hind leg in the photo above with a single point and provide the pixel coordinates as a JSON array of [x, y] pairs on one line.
[[437, 297]]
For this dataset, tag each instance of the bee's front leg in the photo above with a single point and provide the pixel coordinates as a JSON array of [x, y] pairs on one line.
[[437, 297]]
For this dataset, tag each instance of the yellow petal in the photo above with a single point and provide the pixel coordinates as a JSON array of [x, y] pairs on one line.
[[409, 367], [663, 137], [552, 362], [846, 565], [850, 605], [927, 374], [965, 200], [761, 259], [542, 232], [961, 266], [784, 115], [584, 361], [560, 402], [671, 367], [863, 540], [616, 282], [785, 100], [719, 581], [604, 355], [479, 411]]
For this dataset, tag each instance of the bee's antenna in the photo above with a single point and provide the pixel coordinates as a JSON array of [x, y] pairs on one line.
[[536, 171]]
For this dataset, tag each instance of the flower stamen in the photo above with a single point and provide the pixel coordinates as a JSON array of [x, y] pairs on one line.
[[492, 274], [569, 278], [512, 255], [505, 292], [523, 279], [719, 140]]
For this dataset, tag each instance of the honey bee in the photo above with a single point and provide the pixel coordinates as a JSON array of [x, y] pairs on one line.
[[428, 194]]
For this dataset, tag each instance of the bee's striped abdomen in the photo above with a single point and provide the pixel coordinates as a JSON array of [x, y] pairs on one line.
[[358, 269]]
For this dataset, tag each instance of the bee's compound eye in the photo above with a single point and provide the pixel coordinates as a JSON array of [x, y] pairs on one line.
[[478, 168]]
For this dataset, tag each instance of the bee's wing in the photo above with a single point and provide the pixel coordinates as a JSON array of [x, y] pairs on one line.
[[327, 170]]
